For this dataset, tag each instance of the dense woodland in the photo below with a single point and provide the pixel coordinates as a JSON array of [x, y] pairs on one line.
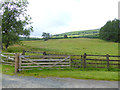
[[111, 31]]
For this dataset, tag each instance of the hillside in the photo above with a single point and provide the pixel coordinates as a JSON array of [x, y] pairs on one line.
[[74, 34], [77, 34], [74, 46]]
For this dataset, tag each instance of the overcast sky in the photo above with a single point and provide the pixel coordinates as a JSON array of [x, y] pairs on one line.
[[59, 16]]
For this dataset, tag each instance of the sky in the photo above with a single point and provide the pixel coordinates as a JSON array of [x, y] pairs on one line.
[[59, 16]]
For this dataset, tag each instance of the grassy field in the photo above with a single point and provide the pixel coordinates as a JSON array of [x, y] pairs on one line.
[[74, 46], [81, 33], [68, 73]]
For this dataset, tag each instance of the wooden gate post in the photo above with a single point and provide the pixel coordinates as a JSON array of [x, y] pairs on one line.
[[44, 53], [16, 62], [20, 62], [84, 60], [23, 53], [107, 57], [70, 62]]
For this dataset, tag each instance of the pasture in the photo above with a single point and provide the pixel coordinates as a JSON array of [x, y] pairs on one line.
[[77, 46], [74, 46]]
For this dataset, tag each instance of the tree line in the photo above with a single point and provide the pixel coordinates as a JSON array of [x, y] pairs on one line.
[[111, 31]]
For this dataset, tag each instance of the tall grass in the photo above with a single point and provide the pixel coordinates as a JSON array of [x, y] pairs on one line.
[[74, 46]]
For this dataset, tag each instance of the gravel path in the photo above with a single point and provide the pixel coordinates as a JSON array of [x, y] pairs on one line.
[[52, 82]]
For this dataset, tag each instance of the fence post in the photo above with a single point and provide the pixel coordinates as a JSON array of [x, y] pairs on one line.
[[70, 62], [16, 62], [84, 60], [81, 61], [107, 57], [44, 53], [23, 53], [20, 62]]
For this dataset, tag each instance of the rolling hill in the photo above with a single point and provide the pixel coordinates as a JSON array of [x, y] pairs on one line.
[[79, 34]]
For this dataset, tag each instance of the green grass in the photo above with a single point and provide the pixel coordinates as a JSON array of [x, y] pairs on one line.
[[6, 69], [96, 35], [68, 46], [74, 46], [66, 73], [84, 32]]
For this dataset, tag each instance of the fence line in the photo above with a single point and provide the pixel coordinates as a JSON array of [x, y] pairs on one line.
[[21, 61], [23, 53], [84, 61]]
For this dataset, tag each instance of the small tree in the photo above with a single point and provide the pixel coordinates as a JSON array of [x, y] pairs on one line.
[[15, 21], [46, 36], [65, 36]]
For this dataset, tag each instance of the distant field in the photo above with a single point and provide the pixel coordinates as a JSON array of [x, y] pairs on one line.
[[74, 46], [79, 34], [84, 32]]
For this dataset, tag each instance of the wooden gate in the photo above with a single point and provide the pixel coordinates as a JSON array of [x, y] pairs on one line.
[[8, 58], [40, 62]]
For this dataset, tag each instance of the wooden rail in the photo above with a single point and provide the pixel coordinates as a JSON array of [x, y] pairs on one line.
[[86, 62], [26, 62], [6, 59], [48, 61], [23, 53]]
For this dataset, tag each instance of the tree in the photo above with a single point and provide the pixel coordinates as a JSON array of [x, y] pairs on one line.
[[111, 31], [15, 21], [0, 33], [46, 36], [65, 36]]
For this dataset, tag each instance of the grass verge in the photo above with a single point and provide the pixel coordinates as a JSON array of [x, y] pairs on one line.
[[66, 73]]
